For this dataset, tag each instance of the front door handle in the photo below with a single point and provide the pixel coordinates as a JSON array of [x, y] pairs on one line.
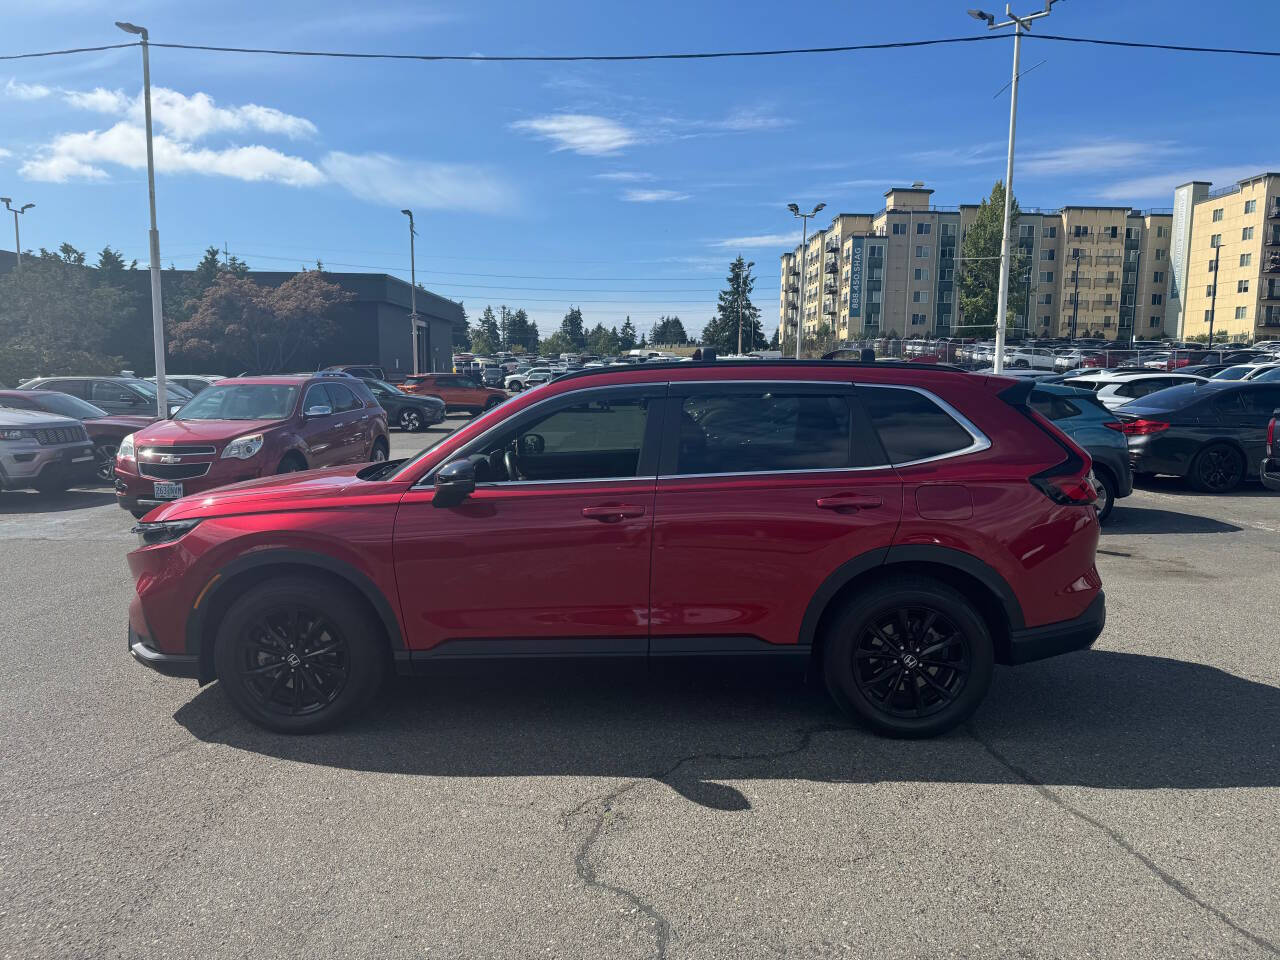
[[849, 502], [613, 512]]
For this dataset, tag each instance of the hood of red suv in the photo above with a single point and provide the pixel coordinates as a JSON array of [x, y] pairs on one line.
[[166, 433], [292, 491]]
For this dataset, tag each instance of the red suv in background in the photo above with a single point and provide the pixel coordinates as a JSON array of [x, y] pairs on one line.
[[904, 529], [244, 428], [459, 391]]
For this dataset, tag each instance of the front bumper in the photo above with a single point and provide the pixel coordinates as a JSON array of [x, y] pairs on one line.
[[136, 492], [170, 664], [1270, 473], [1052, 639], [25, 465]]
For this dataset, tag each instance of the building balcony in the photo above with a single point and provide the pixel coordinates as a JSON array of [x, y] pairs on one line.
[[1271, 296], [833, 245], [1084, 282], [1084, 258], [1108, 260], [1105, 304], [832, 266], [830, 287]]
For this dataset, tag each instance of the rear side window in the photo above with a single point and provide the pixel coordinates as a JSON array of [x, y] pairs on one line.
[[1261, 401], [77, 388], [1053, 407], [104, 391], [341, 399], [912, 426], [764, 431]]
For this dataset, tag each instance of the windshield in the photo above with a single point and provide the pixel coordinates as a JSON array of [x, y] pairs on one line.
[[69, 406], [1233, 373], [381, 386], [246, 401]]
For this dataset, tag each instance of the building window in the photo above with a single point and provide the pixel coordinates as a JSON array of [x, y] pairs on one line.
[[1080, 231], [1048, 254], [1250, 206], [1111, 232], [947, 229], [1049, 232], [1026, 230], [1157, 277], [1208, 315], [1215, 240], [922, 252], [1106, 320], [899, 228], [922, 273], [1160, 251], [1240, 313], [944, 296], [1076, 252], [919, 319], [1045, 298], [1046, 276], [923, 227], [1242, 286], [1153, 322], [1246, 233], [1211, 265], [1157, 299], [946, 274], [1217, 214], [1246, 259], [919, 296], [1208, 291]]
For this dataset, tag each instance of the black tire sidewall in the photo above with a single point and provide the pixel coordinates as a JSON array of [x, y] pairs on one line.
[[1199, 462], [367, 652], [1109, 491], [844, 629]]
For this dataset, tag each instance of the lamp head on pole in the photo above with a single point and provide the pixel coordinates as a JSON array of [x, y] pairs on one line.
[[26, 207], [983, 15], [794, 208], [6, 199], [133, 28]]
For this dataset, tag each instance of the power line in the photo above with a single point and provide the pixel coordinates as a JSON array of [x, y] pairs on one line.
[[63, 53], [1139, 45]]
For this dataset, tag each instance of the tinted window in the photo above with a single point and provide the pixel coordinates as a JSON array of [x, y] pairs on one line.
[[752, 432], [69, 406], [1174, 398], [1226, 404], [911, 426], [1140, 388], [1053, 407], [341, 399], [19, 403], [1261, 401], [77, 388], [104, 391]]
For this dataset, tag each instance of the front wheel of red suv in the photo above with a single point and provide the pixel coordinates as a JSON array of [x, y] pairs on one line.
[[298, 656], [910, 659]]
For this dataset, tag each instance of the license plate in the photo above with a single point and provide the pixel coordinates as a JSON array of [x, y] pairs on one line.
[[168, 491]]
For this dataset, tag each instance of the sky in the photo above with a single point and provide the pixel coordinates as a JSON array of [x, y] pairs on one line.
[[623, 188]]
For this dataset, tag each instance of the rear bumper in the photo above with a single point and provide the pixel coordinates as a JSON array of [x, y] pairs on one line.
[[170, 664], [1270, 472], [1052, 639]]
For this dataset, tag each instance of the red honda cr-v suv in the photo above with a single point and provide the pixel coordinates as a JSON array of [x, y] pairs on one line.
[[243, 428], [906, 529]]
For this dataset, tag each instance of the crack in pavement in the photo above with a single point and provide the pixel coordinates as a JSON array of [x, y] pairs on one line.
[[587, 873], [1168, 879]]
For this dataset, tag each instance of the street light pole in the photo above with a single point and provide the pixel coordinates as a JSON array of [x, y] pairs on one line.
[[1019, 24], [157, 311], [17, 240], [1213, 300], [413, 292], [804, 262], [1075, 297]]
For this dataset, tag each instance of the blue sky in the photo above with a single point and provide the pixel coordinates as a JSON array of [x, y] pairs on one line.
[[625, 188]]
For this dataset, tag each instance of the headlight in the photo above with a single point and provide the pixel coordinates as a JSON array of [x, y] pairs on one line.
[[126, 451], [162, 532], [242, 448], [8, 434]]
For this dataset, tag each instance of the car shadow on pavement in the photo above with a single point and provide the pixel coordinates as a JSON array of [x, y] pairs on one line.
[[1096, 719], [1150, 520], [29, 501]]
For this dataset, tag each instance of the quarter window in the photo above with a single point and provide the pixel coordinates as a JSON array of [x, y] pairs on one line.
[[912, 426], [341, 399]]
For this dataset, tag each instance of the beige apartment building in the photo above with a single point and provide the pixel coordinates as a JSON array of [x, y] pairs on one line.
[[1099, 270], [1228, 241]]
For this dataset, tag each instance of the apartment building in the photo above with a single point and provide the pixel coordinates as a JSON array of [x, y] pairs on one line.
[[1098, 270], [1227, 242]]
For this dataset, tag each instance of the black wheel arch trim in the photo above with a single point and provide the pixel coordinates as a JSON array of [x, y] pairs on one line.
[[297, 558]]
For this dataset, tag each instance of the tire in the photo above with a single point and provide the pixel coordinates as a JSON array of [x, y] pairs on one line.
[[410, 420], [104, 456], [295, 655], [865, 676], [381, 451], [492, 402], [291, 463], [1020, 364], [1218, 468], [1108, 491]]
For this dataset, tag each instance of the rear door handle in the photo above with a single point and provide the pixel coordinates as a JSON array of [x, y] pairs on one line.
[[613, 513], [849, 502]]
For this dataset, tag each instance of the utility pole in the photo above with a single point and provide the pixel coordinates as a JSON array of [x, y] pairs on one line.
[[1019, 24], [1075, 297], [1213, 300], [804, 263], [413, 292], [157, 310], [17, 241]]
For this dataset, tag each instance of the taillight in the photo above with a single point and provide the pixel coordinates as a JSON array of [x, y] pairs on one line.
[[1115, 425], [1066, 484], [1271, 437], [1140, 427]]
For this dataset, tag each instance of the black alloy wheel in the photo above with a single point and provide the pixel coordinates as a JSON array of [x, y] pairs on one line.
[[292, 661], [1218, 468], [911, 662], [104, 461], [410, 420]]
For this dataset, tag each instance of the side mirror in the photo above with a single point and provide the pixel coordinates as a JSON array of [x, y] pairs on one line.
[[319, 410], [454, 483]]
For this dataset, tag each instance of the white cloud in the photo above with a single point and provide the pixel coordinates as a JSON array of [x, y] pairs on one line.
[[1092, 157], [583, 133], [653, 196], [81, 156], [5, 154], [1160, 186], [394, 182], [787, 240], [625, 176], [747, 120], [975, 155], [26, 91], [191, 117]]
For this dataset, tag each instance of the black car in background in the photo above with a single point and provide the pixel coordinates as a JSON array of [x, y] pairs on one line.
[[1212, 433], [129, 396], [410, 412]]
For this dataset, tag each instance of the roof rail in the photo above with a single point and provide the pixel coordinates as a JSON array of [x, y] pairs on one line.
[[755, 365]]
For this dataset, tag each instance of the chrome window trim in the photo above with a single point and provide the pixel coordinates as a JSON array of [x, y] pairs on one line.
[[980, 439]]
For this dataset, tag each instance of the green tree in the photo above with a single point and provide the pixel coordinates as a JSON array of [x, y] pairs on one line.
[[522, 333], [462, 333], [602, 340], [735, 306], [774, 342], [979, 275], [487, 338], [668, 330], [557, 344], [111, 266], [627, 335], [643, 342], [263, 329], [571, 327]]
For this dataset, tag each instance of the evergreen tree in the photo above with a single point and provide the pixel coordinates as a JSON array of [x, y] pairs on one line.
[[602, 341], [774, 343], [571, 327], [627, 335], [522, 334], [979, 276], [668, 330], [735, 307], [111, 266], [486, 339], [462, 333], [643, 342]]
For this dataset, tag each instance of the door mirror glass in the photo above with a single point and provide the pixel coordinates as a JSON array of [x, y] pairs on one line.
[[318, 410], [454, 483]]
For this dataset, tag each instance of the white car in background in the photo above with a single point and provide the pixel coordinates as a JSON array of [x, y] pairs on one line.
[[1116, 389], [1029, 358], [1245, 371]]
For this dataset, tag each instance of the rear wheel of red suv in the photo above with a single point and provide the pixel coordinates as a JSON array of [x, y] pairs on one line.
[[911, 658], [298, 656]]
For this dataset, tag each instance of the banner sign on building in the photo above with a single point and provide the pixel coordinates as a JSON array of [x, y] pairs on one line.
[[855, 278]]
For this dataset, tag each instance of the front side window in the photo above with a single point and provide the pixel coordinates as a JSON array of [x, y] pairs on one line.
[[762, 431], [104, 391], [341, 399], [912, 426]]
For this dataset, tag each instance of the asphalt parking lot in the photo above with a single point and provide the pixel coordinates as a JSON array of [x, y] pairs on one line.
[[1115, 803]]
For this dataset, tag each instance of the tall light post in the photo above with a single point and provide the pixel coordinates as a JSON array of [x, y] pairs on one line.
[[17, 241], [742, 283], [157, 311], [413, 292], [1075, 297], [1019, 24], [1213, 300], [804, 262]]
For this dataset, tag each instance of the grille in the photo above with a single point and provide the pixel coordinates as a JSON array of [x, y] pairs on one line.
[[173, 471], [177, 451], [48, 436]]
